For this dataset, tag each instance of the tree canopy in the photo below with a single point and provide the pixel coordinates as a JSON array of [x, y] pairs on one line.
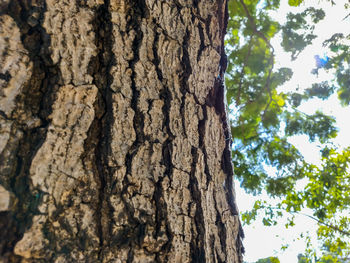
[[264, 117]]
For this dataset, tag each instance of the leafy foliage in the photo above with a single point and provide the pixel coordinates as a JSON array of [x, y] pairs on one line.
[[264, 119], [294, 42], [294, 2], [340, 46], [268, 260], [320, 90]]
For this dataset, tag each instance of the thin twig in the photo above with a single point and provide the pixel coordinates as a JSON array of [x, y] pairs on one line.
[[346, 17], [323, 223], [316, 219]]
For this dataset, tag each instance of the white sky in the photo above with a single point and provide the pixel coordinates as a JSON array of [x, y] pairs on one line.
[[261, 241]]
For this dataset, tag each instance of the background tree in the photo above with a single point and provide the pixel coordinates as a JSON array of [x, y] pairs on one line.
[[114, 140], [264, 118]]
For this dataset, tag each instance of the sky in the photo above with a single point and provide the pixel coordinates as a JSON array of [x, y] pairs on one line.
[[261, 241]]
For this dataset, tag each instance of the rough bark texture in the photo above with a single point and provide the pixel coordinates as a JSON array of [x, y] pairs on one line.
[[113, 135]]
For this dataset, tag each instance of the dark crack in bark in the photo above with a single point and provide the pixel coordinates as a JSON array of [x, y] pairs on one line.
[[100, 130]]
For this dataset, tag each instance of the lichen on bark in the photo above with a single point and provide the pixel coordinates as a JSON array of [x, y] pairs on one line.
[[130, 160]]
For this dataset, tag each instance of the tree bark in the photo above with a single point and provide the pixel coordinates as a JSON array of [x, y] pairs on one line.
[[114, 141]]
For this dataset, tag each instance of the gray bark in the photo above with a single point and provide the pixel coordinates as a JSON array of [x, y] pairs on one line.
[[114, 141]]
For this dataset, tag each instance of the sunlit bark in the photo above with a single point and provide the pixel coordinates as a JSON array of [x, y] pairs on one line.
[[113, 134]]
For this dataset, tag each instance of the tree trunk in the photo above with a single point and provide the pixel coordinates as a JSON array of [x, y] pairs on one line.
[[113, 134]]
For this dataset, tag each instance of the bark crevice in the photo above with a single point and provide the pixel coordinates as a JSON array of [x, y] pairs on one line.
[[99, 133], [197, 244]]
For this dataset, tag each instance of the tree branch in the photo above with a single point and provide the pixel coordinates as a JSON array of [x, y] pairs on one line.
[[238, 97]]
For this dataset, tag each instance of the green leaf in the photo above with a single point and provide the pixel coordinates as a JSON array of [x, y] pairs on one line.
[[295, 2]]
